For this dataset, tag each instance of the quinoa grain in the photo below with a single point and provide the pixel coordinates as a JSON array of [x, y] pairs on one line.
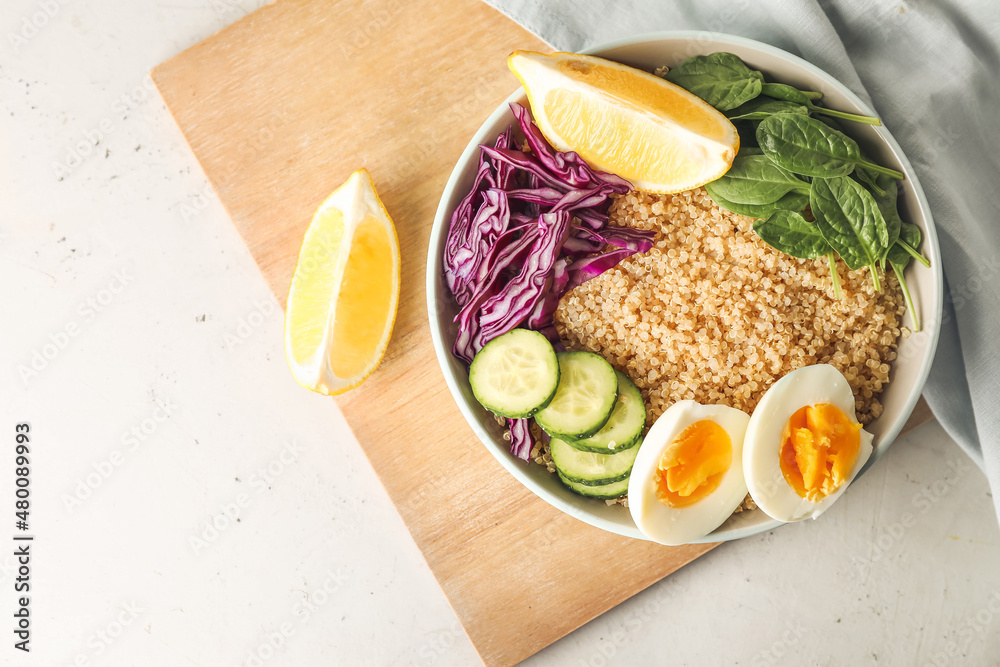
[[712, 313]]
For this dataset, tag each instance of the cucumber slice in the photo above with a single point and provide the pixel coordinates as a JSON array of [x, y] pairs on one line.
[[605, 492], [624, 427], [515, 374], [587, 392], [588, 468]]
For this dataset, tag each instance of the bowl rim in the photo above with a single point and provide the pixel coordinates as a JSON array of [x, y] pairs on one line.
[[442, 218]]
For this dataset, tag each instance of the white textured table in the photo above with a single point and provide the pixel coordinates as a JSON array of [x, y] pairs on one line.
[[193, 506]]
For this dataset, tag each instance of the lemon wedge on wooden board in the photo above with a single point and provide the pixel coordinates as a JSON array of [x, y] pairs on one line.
[[344, 292], [656, 135]]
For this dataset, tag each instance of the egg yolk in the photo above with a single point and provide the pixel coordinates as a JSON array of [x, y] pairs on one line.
[[692, 467], [819, 447]]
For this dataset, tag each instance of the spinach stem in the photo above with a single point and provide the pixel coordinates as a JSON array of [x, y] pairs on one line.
[[867, 120], [913, 253], [812, 94], [873, 270], [898, 175], [832, 260], [874, 186], [906, 295]]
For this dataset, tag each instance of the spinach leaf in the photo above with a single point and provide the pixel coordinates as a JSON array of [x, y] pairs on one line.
[[790, 233], [793, 201], [869, 179], [790, 94], [755, 179], [899, 258], [886, 201], [830, 122], [849, 219], [810, 147], [761, 107], [806, 146], [721, 79], [747, 129], [781, 91], [910, 238], [724, 81]]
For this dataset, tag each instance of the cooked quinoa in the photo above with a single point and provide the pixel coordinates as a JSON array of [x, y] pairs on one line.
[[714, 314]]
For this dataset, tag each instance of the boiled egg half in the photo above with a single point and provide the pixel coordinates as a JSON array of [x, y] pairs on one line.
[[804, 444], [687, 478]]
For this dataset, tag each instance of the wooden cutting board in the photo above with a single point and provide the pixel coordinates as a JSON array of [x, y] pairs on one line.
[[279, 108]]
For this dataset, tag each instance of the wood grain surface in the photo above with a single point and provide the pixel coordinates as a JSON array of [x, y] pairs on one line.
[[279, 108]]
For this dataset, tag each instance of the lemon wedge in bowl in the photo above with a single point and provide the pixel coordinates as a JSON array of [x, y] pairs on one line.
[[656, 135], [344, 292]]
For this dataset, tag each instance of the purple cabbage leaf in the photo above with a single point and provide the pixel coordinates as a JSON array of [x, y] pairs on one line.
[[533, 226]]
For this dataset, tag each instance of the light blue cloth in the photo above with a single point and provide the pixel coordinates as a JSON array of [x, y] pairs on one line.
[[932, 71]]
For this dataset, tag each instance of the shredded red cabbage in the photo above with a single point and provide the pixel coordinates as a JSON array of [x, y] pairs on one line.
[[533, 226], [568, 168], [477, 222], [521, 441], [507, 309]]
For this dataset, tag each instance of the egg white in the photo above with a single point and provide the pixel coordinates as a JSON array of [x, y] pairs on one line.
[[811, 385], [680, 525]]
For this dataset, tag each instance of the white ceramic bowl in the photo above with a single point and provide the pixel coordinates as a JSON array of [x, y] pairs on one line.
[[648, 52]]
